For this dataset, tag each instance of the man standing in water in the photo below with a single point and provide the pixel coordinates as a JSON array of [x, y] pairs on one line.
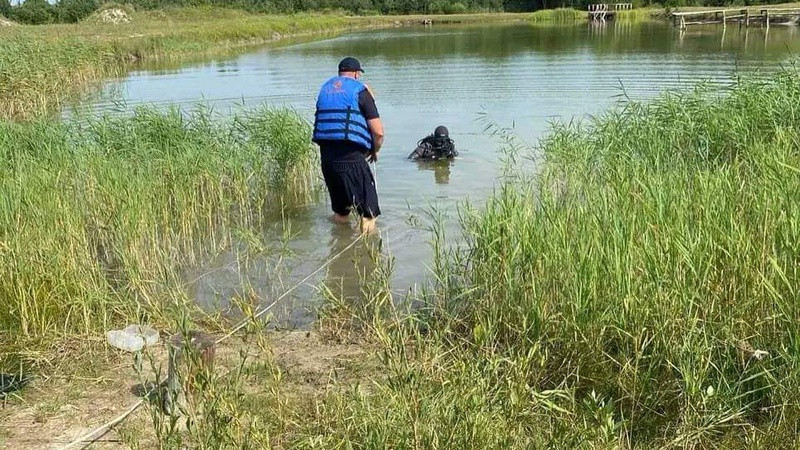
[[349, 131]]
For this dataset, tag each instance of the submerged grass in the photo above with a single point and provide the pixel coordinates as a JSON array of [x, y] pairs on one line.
[[101, 216]]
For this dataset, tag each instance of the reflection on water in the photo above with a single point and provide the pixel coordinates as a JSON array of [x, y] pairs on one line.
[[441, 169], [519, 76]]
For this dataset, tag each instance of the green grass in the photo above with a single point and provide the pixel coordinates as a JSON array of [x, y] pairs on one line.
[[636, 15], [43, 66], [567, 15], [616, 298], [558, 15], [100, 217]]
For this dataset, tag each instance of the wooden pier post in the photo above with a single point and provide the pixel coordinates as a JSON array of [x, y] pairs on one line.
[[746, 13]]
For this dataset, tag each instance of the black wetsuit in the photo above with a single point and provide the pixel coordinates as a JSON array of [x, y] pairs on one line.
[[433, 148]]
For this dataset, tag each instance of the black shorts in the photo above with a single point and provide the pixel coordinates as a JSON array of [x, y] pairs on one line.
[[351, 185]]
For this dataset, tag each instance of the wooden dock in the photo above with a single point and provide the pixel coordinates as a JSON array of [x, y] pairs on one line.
[[606, 11], [742, 16]]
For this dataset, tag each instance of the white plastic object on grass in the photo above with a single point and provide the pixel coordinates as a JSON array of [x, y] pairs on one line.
[[149, 335], [133, 338]]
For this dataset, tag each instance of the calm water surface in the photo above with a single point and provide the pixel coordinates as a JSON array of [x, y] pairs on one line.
[[519, 76]]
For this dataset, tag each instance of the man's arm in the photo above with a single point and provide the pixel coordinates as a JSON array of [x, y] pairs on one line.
[[376, 128], [366, 102]]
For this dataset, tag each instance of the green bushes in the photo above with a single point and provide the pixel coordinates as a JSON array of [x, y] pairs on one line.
[[39, 12]]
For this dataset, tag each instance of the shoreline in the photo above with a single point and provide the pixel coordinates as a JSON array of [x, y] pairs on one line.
[[44, 66]]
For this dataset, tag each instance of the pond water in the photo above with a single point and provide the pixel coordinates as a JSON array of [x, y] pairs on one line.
[[515, 75]]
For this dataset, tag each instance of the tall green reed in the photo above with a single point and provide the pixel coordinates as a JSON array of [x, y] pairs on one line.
[[558, 15], [29, 66], [100, 216], [638, 289], [651, 258]]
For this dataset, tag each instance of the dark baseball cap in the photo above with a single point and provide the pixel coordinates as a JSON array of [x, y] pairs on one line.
[[350, 64]]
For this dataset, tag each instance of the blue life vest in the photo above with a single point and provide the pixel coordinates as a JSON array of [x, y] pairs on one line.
[[338, 116]]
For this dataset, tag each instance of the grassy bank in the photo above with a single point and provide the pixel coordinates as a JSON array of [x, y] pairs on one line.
[[42, 66], [575, 15], [558, 15], [101, 218]]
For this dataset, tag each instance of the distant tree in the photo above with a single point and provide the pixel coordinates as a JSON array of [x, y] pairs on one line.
[[34, 12], [5, 8], [519, 5], [75, 10]]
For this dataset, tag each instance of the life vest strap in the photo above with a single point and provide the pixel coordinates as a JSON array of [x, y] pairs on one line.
[[339, 132]]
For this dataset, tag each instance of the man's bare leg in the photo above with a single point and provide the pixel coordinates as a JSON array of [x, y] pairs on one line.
[[341, 219], [368, 225]]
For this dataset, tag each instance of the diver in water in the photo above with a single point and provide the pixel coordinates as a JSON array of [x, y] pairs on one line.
[[435, 146]]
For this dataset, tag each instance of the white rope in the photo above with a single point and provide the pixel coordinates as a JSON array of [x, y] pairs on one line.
[[375, 174], [102, 429]]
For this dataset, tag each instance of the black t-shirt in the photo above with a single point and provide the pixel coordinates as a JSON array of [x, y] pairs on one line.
[[346, 150], [367, 105]]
